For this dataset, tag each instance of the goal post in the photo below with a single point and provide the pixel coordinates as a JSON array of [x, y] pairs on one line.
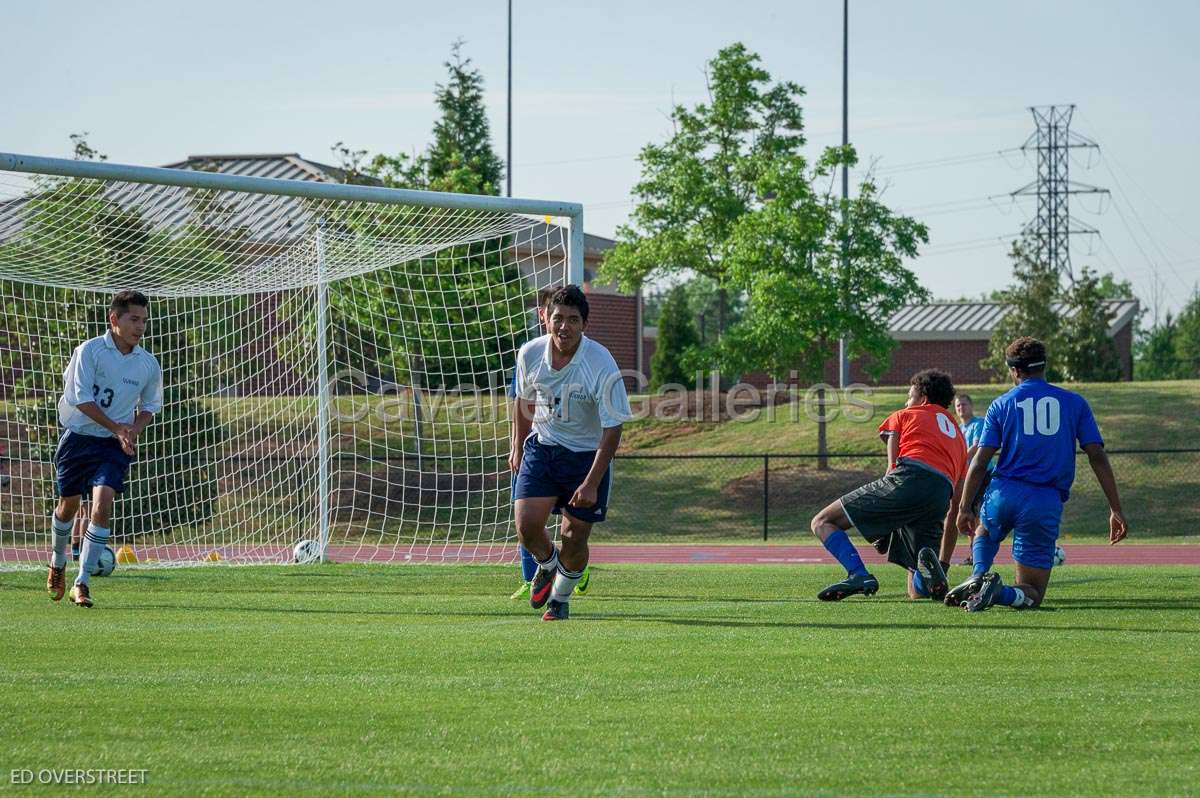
[[335, 356]]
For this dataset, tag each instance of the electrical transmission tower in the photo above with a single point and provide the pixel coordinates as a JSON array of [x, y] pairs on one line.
[[1052, 228]]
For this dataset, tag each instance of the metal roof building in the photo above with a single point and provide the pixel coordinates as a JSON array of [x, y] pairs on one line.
[[966, 321]]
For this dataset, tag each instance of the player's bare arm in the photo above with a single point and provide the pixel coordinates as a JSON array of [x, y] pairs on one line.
[[124, 432], [975, 474], [1118, 527], [585, 494], [522, 422], [949, 533]]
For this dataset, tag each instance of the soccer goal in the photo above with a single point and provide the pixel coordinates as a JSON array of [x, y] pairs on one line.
[[335, 357]]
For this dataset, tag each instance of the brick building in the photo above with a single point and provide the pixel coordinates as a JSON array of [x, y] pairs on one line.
[[953, 336]]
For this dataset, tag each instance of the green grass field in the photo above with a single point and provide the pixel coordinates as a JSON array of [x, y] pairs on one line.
[[668, 681]]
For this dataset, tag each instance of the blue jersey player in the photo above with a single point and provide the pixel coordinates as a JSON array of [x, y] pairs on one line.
[[112, 389], [1035, 427]]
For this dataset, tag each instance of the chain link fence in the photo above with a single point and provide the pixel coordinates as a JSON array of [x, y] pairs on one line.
[[692, 498]]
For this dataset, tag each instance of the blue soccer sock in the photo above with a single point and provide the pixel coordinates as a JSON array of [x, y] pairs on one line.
[[838, 544], [94, 541], [919, 584], [61, 534], [528, 564], [983, 553], [1013, 597]]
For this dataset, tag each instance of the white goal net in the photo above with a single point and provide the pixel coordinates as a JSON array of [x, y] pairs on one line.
[[334, 363]]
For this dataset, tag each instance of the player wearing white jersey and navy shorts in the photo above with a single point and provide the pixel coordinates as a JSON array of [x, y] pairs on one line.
[[112, 389], [571, 401]]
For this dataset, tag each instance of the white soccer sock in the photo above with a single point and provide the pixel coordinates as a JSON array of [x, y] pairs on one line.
[[564, 583], [1021, 599], [94, 541], [550, 564], [61, 534]]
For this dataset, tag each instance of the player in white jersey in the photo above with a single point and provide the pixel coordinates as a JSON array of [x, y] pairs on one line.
[[112, 389], [571, 402]]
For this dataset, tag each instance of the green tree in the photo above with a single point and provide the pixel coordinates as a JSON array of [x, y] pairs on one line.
[[1088, 353], [453, 315], [1187, 339], [74, 238], [1030, 302], [459, 159], [676, 339], [1154, 353], [731, 197]]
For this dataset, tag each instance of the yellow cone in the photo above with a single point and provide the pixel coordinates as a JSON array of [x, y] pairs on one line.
[[126, 555], [214, 556]]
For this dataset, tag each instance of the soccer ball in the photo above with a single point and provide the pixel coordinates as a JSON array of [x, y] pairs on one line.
[[106, 564], [306, 551], [1060, 556]]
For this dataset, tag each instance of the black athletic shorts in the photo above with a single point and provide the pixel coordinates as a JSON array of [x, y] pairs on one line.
[[908, 504]]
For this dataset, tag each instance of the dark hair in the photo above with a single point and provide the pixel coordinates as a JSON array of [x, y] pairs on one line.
[[966, 397], [571, 296], [1027, 355], [934, 385], [122, 300], [545, 295]]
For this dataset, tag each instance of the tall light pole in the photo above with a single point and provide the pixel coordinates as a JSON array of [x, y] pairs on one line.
[[508, 155], [843, 348]]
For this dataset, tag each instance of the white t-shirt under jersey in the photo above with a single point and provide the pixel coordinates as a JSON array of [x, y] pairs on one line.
[[119, 384], [575, 404]]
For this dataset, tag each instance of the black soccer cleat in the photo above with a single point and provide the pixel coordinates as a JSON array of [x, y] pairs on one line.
[[540, 587], [957, 595], [989, 591], [933, 573], [557, 611], [862, 583]]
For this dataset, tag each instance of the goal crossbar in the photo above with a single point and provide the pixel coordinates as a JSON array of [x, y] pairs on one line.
[[187, 178]]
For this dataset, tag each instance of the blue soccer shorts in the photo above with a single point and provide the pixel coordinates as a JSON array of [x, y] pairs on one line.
[[83, 461], [1032, 513], [548, 469]]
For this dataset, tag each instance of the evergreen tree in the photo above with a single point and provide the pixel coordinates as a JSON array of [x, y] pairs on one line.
[[1030, 302], [1088, 353], [1187, 339], [445, 307], [461, 157], [676, 338], [1154, 354]]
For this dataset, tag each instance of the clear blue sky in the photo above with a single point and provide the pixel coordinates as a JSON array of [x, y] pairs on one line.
[[594, 81]]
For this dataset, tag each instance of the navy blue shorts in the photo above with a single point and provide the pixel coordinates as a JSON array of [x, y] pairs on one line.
[[548, 469], [82, 461]]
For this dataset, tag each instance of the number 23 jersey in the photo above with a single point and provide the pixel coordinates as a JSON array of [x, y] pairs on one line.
[[119, 384]]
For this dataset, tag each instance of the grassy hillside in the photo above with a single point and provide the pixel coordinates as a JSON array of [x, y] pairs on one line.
[[723, 498], [1137, 415]]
